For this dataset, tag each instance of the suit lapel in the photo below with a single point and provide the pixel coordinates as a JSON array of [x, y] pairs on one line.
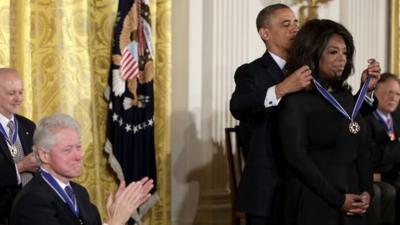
[[396, 125], [84, 214], [4, 148], [23, 134], [275, 73], [55, 196], [380, 130]]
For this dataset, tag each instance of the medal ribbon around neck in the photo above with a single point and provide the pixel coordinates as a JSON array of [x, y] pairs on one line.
[[381, 120], [339, 107], [73, 205], [14, 138]]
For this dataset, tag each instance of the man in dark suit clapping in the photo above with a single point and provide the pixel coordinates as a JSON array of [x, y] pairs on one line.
[[52, 198]]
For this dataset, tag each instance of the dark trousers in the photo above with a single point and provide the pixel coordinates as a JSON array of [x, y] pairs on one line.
[[396, 184], [3, 221], [384, 203], [258, 220]]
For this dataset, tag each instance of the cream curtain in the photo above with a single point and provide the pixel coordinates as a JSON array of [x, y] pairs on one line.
[[62, 51], [394, 49]]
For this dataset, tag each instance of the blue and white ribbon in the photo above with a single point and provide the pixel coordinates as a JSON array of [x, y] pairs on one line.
[[73, 205], [14, 138], [337, 105]]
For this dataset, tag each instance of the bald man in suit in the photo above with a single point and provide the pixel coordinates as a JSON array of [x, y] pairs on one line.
[[17, 163]]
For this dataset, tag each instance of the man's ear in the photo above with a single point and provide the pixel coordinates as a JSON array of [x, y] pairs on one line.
[[43, 155], [264, 33]]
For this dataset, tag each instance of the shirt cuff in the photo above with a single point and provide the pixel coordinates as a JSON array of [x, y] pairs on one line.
[[369, 99], [270, 99]]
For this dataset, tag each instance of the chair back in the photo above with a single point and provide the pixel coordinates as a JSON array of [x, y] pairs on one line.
[[234, 153]]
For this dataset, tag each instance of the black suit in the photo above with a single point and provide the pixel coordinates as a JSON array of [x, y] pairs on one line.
[[385, 153], [386, 158], [258, 184], [37, 204], [8, 175]]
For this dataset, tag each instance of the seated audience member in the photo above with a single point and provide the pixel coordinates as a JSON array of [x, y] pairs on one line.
[[52, 198], [384, 126]]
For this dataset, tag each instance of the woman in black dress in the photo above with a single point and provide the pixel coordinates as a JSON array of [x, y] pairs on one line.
[[327, 180]]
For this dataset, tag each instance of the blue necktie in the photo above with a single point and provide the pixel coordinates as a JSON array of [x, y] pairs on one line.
[[71, 195]]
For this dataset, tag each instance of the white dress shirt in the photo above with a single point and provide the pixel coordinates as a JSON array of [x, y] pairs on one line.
[[270, 98]]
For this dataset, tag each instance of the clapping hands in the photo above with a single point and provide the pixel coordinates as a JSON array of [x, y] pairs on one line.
[[127, 199]]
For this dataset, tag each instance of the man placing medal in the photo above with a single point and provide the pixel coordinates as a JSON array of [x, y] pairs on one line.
[[323, 134]]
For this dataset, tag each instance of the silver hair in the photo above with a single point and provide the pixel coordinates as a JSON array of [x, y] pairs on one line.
[[46, 132]]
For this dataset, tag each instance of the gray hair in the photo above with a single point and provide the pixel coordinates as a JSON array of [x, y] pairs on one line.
[[46, 132], [387, 76]]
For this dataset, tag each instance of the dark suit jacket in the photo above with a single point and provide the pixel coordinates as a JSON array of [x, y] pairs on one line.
[[260, 176], [8, 177], [37, 204], [385, 154]]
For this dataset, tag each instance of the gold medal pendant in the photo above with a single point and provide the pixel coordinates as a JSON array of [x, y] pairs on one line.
[[13, 150], [354, 127]]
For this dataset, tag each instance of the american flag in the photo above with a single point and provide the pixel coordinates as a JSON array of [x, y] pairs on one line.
[[129, 67], [130, 121]]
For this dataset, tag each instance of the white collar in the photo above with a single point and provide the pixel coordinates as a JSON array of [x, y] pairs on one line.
[[4, 121], [281, 62], [59, 182], [385, 116]]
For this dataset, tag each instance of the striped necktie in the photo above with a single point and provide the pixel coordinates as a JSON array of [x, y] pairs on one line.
[[19, 155], [71, 195]]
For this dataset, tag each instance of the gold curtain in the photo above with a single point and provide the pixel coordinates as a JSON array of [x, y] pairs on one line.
[[394, 63], [62, 51]]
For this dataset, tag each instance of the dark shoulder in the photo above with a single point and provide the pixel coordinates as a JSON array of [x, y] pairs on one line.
[[242, 69], [263, 61], [33, 191], [396, 115], [251, 68], [27, 123]]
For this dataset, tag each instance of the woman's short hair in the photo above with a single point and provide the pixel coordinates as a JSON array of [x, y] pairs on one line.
[[311, 41], [46, 132]]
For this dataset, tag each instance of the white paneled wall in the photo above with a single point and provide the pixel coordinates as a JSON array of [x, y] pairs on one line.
[[229, 41], [367, 20]]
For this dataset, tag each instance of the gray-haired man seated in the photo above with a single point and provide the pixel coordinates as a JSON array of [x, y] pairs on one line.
[[52, 198]]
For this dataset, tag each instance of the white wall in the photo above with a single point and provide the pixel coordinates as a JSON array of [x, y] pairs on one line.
[[211, 38]]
